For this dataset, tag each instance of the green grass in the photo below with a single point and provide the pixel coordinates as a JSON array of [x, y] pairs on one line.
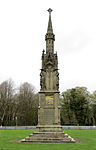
[[87, 137]]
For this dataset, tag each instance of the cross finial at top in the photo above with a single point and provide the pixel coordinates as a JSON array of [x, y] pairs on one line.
[[49, 10]]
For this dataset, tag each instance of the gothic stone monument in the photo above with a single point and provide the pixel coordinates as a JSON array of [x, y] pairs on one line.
[[49, 129]]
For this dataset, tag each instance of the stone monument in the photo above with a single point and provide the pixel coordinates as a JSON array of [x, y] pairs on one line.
[[49, 129]]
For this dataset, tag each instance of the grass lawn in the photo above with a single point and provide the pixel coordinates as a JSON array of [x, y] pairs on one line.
[[87, 137]]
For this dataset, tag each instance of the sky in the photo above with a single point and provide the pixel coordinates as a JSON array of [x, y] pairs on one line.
[[23, 25]]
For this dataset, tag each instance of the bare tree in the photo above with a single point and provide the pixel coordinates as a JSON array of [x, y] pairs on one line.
[[6, 102], [27, 105]]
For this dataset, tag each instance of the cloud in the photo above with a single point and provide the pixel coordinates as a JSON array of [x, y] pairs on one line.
[[74, 41]]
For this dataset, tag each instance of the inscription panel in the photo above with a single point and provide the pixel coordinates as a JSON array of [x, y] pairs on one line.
[[49, 101], [49, 116]]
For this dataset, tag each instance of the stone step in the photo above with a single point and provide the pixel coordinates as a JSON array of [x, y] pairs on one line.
[[51, 128], [49, 135], [38, 137], [47, 132], [44, 138], [51, 140]]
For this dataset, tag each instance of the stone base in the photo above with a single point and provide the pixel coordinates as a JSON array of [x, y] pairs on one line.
[[49, 134]]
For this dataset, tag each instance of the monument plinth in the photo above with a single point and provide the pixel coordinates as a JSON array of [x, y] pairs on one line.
[[49, 129]]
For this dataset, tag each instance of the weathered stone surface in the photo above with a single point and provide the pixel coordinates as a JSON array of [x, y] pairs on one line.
[[49, 137], [49, 134], [49, 129]]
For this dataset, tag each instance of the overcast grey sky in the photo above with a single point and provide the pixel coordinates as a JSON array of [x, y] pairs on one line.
[[23, 25]]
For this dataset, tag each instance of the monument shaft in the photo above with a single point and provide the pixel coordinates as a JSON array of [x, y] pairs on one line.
[[49, 108]]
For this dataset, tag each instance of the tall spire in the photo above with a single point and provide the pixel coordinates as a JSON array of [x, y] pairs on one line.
[[49, 37], [50, 30]]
